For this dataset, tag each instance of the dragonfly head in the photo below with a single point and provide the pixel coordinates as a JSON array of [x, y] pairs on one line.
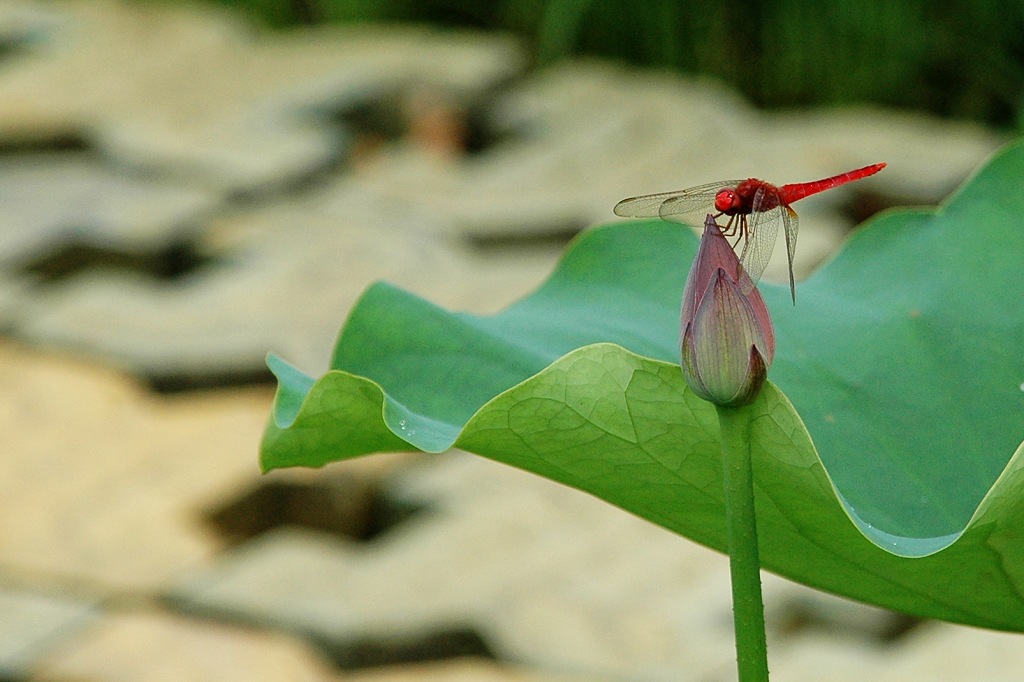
[[727, 201]]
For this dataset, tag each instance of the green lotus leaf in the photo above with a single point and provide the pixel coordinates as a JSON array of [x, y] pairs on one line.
[[889, 472]]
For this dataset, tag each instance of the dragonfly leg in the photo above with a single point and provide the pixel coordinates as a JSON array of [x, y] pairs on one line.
[[738, 230], [730, 227]]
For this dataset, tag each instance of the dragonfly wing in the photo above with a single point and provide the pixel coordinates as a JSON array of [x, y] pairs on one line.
[[679, 206], [791, 224], [762, 230], [646, 206], [693, 205]]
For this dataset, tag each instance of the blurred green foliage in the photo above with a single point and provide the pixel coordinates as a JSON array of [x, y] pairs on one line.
[[961, 59]]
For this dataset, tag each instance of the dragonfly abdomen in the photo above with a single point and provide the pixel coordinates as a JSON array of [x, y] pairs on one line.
[[800, 190]]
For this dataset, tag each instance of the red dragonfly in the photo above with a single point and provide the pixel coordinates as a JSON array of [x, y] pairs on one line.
[[767, 205]]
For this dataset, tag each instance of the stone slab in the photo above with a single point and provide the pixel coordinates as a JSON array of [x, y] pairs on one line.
[[52, 200], [193, 92], [32, 623], [935, 652], [282, 279], [460, 670], [159, 647], [795, 612], [544, 575], [946, 653], [151, 647], [102, 485], [22, 22]]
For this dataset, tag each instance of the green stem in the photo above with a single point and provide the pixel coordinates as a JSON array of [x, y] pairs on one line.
[[744, 564]]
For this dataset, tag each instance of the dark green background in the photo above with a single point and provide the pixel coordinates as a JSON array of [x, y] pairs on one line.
[[958, 59]]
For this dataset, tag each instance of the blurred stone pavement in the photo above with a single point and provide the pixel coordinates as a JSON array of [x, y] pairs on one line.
[[181, 193]]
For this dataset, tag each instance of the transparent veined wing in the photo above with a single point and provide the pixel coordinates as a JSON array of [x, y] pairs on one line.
[[680, 206], [792, 225], [757, 240]]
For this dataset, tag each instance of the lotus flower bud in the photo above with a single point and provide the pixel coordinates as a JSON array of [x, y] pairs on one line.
[[728, 342]]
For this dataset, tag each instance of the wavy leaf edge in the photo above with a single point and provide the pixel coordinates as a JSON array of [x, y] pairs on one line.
[[409, 427]]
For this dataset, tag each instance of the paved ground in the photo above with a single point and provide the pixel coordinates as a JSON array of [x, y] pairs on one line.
[[181, 194]]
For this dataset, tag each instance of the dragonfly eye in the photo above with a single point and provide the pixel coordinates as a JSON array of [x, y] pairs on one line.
[[726, 200]]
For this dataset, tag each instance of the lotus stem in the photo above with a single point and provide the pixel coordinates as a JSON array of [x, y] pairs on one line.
[[744, 563]]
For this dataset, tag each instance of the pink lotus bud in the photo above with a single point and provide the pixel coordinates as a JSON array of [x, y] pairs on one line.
[[728, 341]]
